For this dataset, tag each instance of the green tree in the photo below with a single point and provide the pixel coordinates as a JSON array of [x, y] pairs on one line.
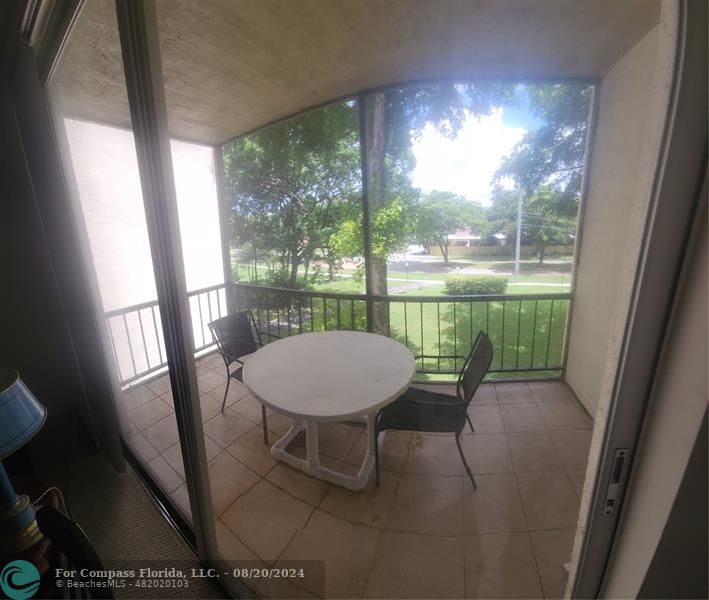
[[291, 184], [438, 215], [553, 153], [394, 118], [547, 165], [549, 217]]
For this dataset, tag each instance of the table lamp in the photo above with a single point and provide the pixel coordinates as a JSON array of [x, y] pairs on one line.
[[21, 416]]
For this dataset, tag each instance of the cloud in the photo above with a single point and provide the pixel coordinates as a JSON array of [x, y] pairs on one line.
[[464, 165]]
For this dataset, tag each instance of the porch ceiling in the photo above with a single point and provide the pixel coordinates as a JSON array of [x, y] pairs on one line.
[[231, 66]]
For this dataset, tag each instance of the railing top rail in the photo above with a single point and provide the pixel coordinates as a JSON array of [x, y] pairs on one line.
[[396, 298], [150, 303]]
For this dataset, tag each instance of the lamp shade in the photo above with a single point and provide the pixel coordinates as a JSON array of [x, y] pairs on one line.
[[21, 414]]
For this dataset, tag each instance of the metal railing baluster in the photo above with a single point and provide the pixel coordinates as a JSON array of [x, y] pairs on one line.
[[551, 318], [142, 335], [519, 325], [130, 346], [534, 333]]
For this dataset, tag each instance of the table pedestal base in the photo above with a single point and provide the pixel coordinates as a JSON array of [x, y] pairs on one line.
[[311, 464]]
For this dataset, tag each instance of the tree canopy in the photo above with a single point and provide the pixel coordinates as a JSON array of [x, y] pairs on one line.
[[295, 187]]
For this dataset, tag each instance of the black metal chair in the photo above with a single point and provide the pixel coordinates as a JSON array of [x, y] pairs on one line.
[[433, 412], [236, 336]]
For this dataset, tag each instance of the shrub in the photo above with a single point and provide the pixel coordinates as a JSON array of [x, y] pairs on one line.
[[281, 279], [475, 286]]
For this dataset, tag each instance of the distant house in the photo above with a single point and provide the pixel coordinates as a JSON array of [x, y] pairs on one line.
[[463, 237]]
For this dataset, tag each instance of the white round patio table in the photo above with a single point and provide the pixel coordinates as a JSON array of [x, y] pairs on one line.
[[328, 376]]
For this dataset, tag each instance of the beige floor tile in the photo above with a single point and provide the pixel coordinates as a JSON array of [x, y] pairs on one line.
[[484, 395], [266, 518], [513, 393], [181, 499], [149, 413], [232, 549], [434, 455], [168, 399], [251, 451], [486, 419], [550, 391], [495, 506], [249, 407], [428, 505], [200, 368], [212, 361], [553, 549], [173, 455], [309, 489], [369, 506], [359, 448], [279, 424], [522, 417], [136, 396], [280, 588], [486, 453], [142, 447], [577, 478], [337, 439], [573, 447], [393, 450], [348, 551], [166, 476], [161, 385], [501, 565], [209, 380], [163, 434], [228, 479], [418, 566], [564, 415], [236, 392], [533, 451], [209, 407], [227, 427], [549, 500]]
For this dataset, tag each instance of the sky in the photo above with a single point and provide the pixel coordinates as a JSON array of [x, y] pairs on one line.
[[465, 165]]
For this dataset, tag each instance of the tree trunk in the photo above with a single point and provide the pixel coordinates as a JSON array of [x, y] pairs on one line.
[[295, 263], [375, 154], [443, 245], [541, 249]]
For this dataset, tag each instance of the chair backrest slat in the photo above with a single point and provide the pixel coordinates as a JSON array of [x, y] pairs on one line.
[[235, 334], [476, 365]]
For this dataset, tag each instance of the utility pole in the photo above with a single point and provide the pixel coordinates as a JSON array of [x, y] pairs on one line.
[[518, 239]]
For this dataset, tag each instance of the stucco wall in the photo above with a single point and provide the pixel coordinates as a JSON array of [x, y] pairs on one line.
[[108, 183], [629, 123]]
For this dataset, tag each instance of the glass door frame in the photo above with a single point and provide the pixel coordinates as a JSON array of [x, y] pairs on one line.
[[139, 40]]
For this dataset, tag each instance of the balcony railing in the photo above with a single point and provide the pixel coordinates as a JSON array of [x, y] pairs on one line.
[[528, 331], [136, 336]]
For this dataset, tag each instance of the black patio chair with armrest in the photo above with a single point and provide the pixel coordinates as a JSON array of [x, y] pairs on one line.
[[236, 336], [433, 412]]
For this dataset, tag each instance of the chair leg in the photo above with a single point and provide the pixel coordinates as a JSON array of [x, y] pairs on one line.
[[226, 391], [467, 416], [465, 462], [264, 422]]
